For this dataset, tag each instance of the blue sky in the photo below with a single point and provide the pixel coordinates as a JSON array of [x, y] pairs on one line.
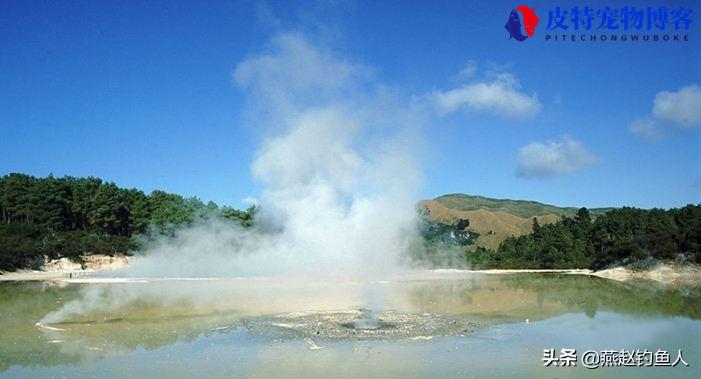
[[143, 95]]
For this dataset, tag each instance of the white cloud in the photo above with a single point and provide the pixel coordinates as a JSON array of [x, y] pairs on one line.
[[556, 157], [682, 107], [501, 96], [671, 112], [647, 129], [468, 71]]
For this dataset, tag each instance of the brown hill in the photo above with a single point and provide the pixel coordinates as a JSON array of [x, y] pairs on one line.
[[494, 219]]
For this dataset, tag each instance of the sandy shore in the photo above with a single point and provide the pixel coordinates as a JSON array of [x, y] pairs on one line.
[[663, 273], [517, 271], [64, 269]]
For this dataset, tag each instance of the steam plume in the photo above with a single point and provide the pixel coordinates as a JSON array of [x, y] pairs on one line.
[[339, 169]]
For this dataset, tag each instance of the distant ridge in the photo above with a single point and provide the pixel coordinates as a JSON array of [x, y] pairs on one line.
[[521, 208], [495, 219]]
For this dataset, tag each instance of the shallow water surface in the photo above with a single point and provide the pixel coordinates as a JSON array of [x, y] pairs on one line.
[[452, 325]]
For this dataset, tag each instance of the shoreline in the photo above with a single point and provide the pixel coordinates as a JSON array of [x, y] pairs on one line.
[[65, 271], [663, 274], [666, 273]]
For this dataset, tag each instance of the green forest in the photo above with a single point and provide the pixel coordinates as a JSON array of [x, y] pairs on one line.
[[73, 217], [623, 236]]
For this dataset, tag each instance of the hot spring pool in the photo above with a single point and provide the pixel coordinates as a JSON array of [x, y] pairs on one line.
[[423, 325]]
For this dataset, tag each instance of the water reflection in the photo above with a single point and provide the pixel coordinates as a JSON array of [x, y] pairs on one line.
[[536, 296], [99, 321]]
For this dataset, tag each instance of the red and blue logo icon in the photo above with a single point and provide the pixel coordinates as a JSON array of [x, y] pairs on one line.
[[522, 19]]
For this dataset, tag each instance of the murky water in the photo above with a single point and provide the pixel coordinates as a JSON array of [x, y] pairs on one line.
[[285, 328]]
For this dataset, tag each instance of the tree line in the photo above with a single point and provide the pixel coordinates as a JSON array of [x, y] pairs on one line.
[[623, 236], [72, 217]]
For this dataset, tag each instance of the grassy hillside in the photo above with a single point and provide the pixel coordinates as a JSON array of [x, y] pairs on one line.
[[520, 208], [495, 219]]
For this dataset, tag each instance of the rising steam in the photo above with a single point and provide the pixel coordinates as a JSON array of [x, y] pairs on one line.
[[338, 165], [338, 169]]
